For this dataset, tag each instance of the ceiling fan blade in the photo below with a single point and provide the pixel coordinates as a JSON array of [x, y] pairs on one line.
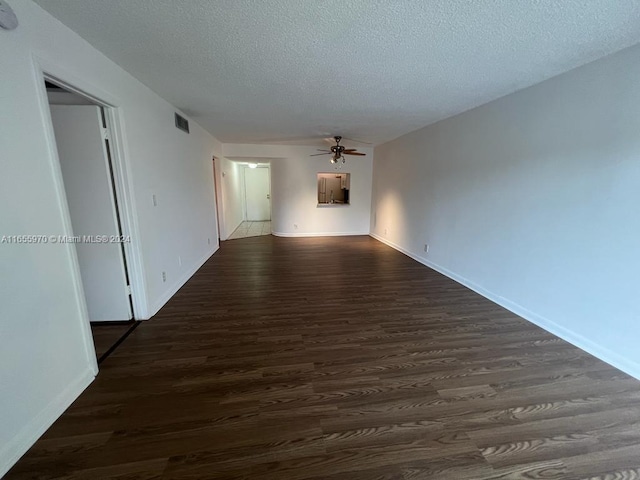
[[354, 153], [316, 154], [350, 150]]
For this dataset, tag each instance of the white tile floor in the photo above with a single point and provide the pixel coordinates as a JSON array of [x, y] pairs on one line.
[[251, 229]]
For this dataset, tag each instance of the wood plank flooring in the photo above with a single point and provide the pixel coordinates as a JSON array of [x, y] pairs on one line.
[[341, 359], [105, 335]]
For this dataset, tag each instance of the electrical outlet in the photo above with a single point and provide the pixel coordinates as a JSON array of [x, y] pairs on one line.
[[208, 241], [385, 231], [164, 276], [295, 226], [426, 247], [154, 200]]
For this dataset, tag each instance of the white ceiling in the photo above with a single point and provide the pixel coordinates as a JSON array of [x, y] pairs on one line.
[[258, 71]]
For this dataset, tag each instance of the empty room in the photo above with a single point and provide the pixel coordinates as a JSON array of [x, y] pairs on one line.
[[320, 239]]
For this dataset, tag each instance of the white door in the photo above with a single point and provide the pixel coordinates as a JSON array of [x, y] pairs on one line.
[[257, 192], [86, 173]]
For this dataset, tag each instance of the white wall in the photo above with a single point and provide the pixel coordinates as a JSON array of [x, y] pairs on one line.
[[231, 181], [46, 354], [534, 201], [294, 190]]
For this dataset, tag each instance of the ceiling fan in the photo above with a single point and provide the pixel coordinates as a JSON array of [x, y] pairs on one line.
[[338, 151]]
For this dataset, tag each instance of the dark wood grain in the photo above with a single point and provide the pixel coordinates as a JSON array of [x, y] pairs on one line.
[[106, 334], [341, 359]]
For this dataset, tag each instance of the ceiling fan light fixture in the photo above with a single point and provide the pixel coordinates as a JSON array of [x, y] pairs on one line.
[[338, 152]]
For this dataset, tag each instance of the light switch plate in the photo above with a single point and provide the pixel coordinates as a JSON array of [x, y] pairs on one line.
[[8, 19]]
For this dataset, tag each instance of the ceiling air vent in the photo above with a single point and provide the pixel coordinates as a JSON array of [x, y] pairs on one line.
[[182, 123]]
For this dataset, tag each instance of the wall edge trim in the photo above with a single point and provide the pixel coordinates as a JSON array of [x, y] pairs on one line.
[[577, 340], [319, 234], [13, 450], [173, 289]]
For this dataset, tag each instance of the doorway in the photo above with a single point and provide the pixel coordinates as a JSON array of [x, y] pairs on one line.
[[84, 141], [257, 190], [257, 202], [217, 195]]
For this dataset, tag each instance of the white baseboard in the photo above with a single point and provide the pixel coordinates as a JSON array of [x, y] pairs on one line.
[[164, 298], [603, 353], [11, 452], [318, 234]]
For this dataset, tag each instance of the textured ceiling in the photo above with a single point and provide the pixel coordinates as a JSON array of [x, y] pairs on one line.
[[254, 71]]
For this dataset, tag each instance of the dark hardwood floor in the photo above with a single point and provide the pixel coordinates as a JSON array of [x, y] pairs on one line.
[[341, 359], [106, 335]]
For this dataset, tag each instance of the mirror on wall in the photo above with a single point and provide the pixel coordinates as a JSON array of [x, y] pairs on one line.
[[333, 188]]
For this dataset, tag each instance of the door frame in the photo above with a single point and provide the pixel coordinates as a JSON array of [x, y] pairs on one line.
[[46, 70], [217, 192]]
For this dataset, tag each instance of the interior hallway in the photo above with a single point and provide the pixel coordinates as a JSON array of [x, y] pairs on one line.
[[341, 359]]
